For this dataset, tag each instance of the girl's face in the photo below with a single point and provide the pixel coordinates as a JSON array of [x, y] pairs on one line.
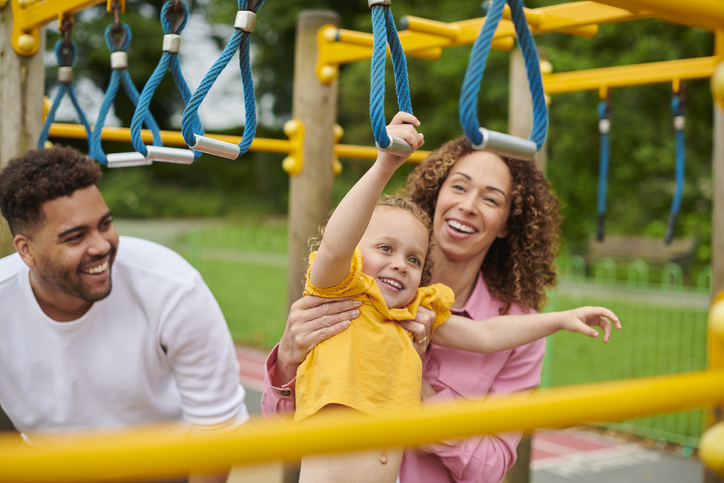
[[393, 251], [472, 207]]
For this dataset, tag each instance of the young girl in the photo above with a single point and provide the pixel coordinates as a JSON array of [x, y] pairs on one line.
[[378, 252]]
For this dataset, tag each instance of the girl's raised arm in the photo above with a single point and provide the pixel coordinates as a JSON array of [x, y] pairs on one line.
[[349, 221], [509, 331]]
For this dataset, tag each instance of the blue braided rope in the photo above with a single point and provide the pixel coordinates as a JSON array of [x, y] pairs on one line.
[[118, 76], [468, 112], [539, 130], [168, 60], [241, 41], [384, 32], [677, 110], [63, 89], [603, 167]]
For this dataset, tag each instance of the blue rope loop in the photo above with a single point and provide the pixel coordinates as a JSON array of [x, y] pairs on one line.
[[241, 41], [65, 54], [468, 111], [169, 60], [604, 114], [678, 109], [384, 33], [118, 76]]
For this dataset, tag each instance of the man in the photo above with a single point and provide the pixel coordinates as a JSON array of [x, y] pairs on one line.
[[97, 332]]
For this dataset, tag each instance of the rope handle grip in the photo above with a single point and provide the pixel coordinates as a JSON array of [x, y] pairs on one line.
[[396, 147], [216, 147], [506, 144]]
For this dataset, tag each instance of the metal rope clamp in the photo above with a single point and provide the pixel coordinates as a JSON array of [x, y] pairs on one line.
[[245, 21], [506, 145]]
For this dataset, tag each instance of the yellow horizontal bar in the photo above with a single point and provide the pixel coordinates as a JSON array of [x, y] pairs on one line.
[[170, 138], [368, 152], [629, 75], [708, 14], [175, 138], [154, 453]]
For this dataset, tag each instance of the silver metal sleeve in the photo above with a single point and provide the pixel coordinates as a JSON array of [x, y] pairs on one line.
[[506, 145], [122, 160], [65, 74], [245, 21], [679, 123], [397, 146], [604, 126], [216, 147], [170, 155], [171, 43], [119, 60], [370, 3]]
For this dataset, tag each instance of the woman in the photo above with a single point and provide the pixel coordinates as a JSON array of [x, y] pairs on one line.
[[495, 227]]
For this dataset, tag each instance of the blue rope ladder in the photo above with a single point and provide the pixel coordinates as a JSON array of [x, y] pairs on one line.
[[678, 108], [172, 29], [65, 52], [604, 126], [240, 40], [384, 33], [119, 75], [490, 140]]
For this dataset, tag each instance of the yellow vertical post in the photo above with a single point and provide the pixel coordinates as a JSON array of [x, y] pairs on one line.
[[716, 340]]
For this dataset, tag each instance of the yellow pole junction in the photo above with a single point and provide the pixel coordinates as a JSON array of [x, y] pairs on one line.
[[30, 15], [426, 38], [160, 452], [711, 447]]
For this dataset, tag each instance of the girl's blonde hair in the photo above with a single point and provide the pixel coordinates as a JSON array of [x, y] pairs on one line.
[[405, 204]]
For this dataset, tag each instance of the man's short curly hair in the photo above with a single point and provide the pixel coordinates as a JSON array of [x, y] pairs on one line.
[[519, 267], [40, 176], [404, 204]]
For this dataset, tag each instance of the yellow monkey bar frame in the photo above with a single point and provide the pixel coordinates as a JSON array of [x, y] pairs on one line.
[[29, 16]]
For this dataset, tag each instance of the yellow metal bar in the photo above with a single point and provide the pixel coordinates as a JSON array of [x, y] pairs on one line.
[[630, 75], [175, 138], [27, 20], [708, 14], [711, 450], [423, 38], [155, 453], [170, 138]]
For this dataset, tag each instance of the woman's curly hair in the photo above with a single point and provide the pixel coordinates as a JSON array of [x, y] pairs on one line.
[[40, 176], [404, 204], [519, 267]]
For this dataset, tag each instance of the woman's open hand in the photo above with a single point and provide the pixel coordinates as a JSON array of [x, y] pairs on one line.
[[583, 319]]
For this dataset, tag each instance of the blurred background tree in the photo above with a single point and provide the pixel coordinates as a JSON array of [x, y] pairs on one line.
[[641, 181]]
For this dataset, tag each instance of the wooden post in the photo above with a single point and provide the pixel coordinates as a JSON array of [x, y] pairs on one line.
[[714, 414], [310, 192], [520, 104], [315, 104], [22, 83], [520, 122]]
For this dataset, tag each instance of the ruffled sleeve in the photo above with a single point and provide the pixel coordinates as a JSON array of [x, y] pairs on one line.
[[440, 298], [354, 284]]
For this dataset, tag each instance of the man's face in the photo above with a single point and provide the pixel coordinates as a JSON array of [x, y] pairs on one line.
[[73, 250]]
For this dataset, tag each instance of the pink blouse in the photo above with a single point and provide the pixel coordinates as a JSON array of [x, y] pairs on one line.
[[453, 374]]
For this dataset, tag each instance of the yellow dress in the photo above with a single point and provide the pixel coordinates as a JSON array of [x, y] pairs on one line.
[[371, 366]]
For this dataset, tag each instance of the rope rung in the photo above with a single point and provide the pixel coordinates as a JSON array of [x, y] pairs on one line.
[[170, 155], [217, 148], [123, 160]]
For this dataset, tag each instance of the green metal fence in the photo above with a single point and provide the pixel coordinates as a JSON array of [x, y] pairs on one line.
[[664, 321], [664, 333]]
